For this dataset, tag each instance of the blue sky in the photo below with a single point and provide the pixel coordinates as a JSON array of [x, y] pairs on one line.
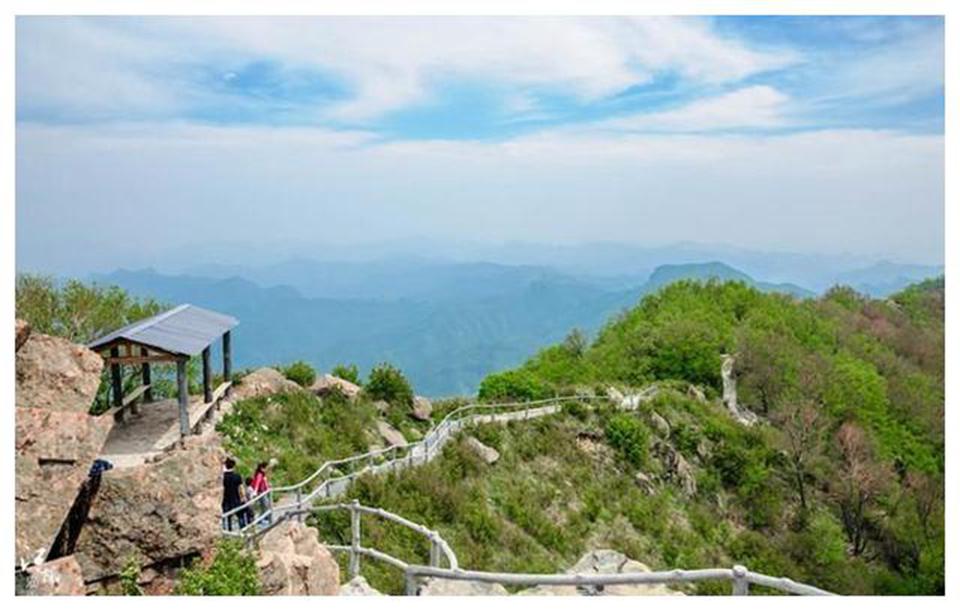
[[430, 107]]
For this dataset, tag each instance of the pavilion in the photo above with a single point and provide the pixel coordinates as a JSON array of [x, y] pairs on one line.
[[173, 336]]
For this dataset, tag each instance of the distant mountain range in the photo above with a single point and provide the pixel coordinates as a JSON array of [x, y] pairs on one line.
[[447, 325]]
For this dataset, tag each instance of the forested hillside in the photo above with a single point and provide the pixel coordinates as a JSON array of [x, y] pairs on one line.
[[850, 391]]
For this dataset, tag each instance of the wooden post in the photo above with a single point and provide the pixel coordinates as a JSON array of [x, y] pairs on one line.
[[354, 539], [145, 376], [183, 397], [741, 587], [410, 581], [227, 363], [207, 391], [116, 377]]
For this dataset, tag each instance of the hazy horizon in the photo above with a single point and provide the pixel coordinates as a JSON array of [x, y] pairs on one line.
[[144, 140]]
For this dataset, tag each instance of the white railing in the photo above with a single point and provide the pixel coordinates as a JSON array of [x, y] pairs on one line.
[[345, 471], [334, 477], [740, 577]]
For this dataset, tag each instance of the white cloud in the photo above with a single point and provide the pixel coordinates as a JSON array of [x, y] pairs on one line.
[[390, 63], [758, 106]]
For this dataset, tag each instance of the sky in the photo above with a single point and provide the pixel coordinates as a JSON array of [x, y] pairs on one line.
[[140, 137]]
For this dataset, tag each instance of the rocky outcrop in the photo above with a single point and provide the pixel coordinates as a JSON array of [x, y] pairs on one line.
[[696, 394], [660, 424], [605, 562], [56, 440], [56, 375], [262, 383], [392, 436], [358, 586], [632, 401], [676, 467], [488, 454], [422, 408], [292, 562], [154, 513], [449, 587], [645, 482], [22, 332], [60, 577], [326, 384], [743, 416]]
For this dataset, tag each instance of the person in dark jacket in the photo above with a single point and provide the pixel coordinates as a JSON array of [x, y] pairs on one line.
[[233, 495]]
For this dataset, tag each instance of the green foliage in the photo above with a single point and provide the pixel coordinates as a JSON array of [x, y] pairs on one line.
[[233, 572], [130, 578], [300, 372], [82, 313], [630, 436], [387, 383], [298, 429], [350, 373], [512, 386]]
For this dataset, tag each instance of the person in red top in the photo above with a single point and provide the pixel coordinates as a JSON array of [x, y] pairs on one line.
[[260, 485]]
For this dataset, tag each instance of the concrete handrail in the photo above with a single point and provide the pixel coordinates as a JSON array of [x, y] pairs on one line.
[[739, 575], [434, 438]]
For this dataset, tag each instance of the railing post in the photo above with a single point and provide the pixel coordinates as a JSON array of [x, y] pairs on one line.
[[434, 550], [354, 569], [300, 517], [410, 582], [741, 587]]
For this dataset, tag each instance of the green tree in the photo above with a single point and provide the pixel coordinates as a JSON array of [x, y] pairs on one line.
[[349, 372], [387, 383], [300, 372]]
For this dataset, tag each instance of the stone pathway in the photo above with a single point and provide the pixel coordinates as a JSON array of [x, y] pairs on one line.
[[145, 435]]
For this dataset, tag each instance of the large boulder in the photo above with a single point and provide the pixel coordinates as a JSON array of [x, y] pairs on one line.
[[292, 562], [326, 384], [60, 577], [22, 331], [262, 383], [358, 586], [56, 440], [485, 452], [422, 408], [450, 587], [605, 562], [156, 512], [392, 436], [56, 374]]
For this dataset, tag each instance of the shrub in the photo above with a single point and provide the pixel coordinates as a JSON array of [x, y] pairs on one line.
[[512, 385], [233, 572], [130, 578], [387, 383], [630, 436], [301, 372], [350, 373]]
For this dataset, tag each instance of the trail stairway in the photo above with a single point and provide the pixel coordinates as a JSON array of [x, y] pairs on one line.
[[333, 478]]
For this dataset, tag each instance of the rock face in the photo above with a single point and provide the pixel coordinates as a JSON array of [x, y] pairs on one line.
[[488, 454], [392, 436], [743, 416], [155, 512], [605, 562], [293, 563], [449, 587], [358, 586], [60, 577], [326, 383], [262, 383], [56, 439], [660, 424], [422, 408], [56, 375], [677, 468], [22, 330], [634, 400]]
